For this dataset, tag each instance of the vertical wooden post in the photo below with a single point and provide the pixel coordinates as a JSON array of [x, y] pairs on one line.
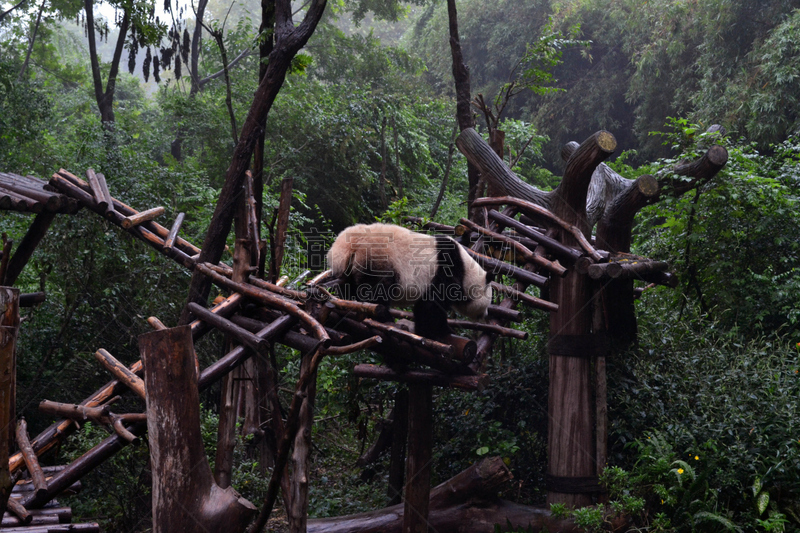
[[9, 326], [226, 430], [398, 455], [571, 464], [298, 512], [418, 465], [185, 497]]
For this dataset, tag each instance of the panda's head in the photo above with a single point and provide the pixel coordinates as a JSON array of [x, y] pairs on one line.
[[477, 289]]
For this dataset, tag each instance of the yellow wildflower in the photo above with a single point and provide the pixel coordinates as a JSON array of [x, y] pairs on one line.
[[696, 458], [680, 470]]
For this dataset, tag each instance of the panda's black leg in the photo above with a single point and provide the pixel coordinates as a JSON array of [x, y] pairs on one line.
[[430, 319]]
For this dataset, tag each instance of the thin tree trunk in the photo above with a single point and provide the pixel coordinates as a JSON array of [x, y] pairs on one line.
[[289, 40], [450, 151], [105, 98], [463, 95], [31, 43]]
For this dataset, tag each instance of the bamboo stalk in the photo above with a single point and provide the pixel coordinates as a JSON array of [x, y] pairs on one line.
[[143, 216], [121, 372]]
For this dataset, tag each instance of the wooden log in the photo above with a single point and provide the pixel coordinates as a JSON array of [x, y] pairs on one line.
[[141, 231], [418, 464], [418, 340], [61, 515], [9, 329], [236, 356], [183, 487], [429, 377], [504, 313], [106, 193], [490, 328], [604, 270], [31, 462], [21, 516], [277, 289], [108, 447], [253, 342], [31, 299], [185, 246], [701, 169], [571, 442], [169, 241], [16, 202], [121, 372], [480, 154], [89, 527], [498, 267], [450, 509], [143, 216], [4, 259], [269, 299], [397, 458], [527, 299], [565, 253], [53, 434], [355, 347], [33, 236], [97, 190], [526, 254], [533, 210], [23, 187], [226, 308]]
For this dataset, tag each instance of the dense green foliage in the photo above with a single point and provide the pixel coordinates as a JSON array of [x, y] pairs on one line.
[[366, 130]]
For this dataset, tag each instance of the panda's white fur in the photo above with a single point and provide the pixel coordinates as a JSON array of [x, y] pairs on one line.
[[386, 263]]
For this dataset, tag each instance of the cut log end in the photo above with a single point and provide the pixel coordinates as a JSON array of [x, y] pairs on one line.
[[606, 141], [717, 155], [647, 185]]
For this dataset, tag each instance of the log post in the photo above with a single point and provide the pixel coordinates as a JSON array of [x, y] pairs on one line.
[[571, 462], [397, 458], [418, 464], [185, 497], [9, 325]]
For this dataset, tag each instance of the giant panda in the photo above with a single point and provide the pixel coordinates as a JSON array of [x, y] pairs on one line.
[[389, 264]]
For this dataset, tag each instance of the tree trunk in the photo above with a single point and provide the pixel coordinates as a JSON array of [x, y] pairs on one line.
[[463, 95], [289, 40], [185, 497]]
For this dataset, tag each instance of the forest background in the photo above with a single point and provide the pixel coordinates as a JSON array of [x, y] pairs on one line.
[[704, 413]]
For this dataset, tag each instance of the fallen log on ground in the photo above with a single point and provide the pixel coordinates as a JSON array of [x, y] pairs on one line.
[[467, 498]]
